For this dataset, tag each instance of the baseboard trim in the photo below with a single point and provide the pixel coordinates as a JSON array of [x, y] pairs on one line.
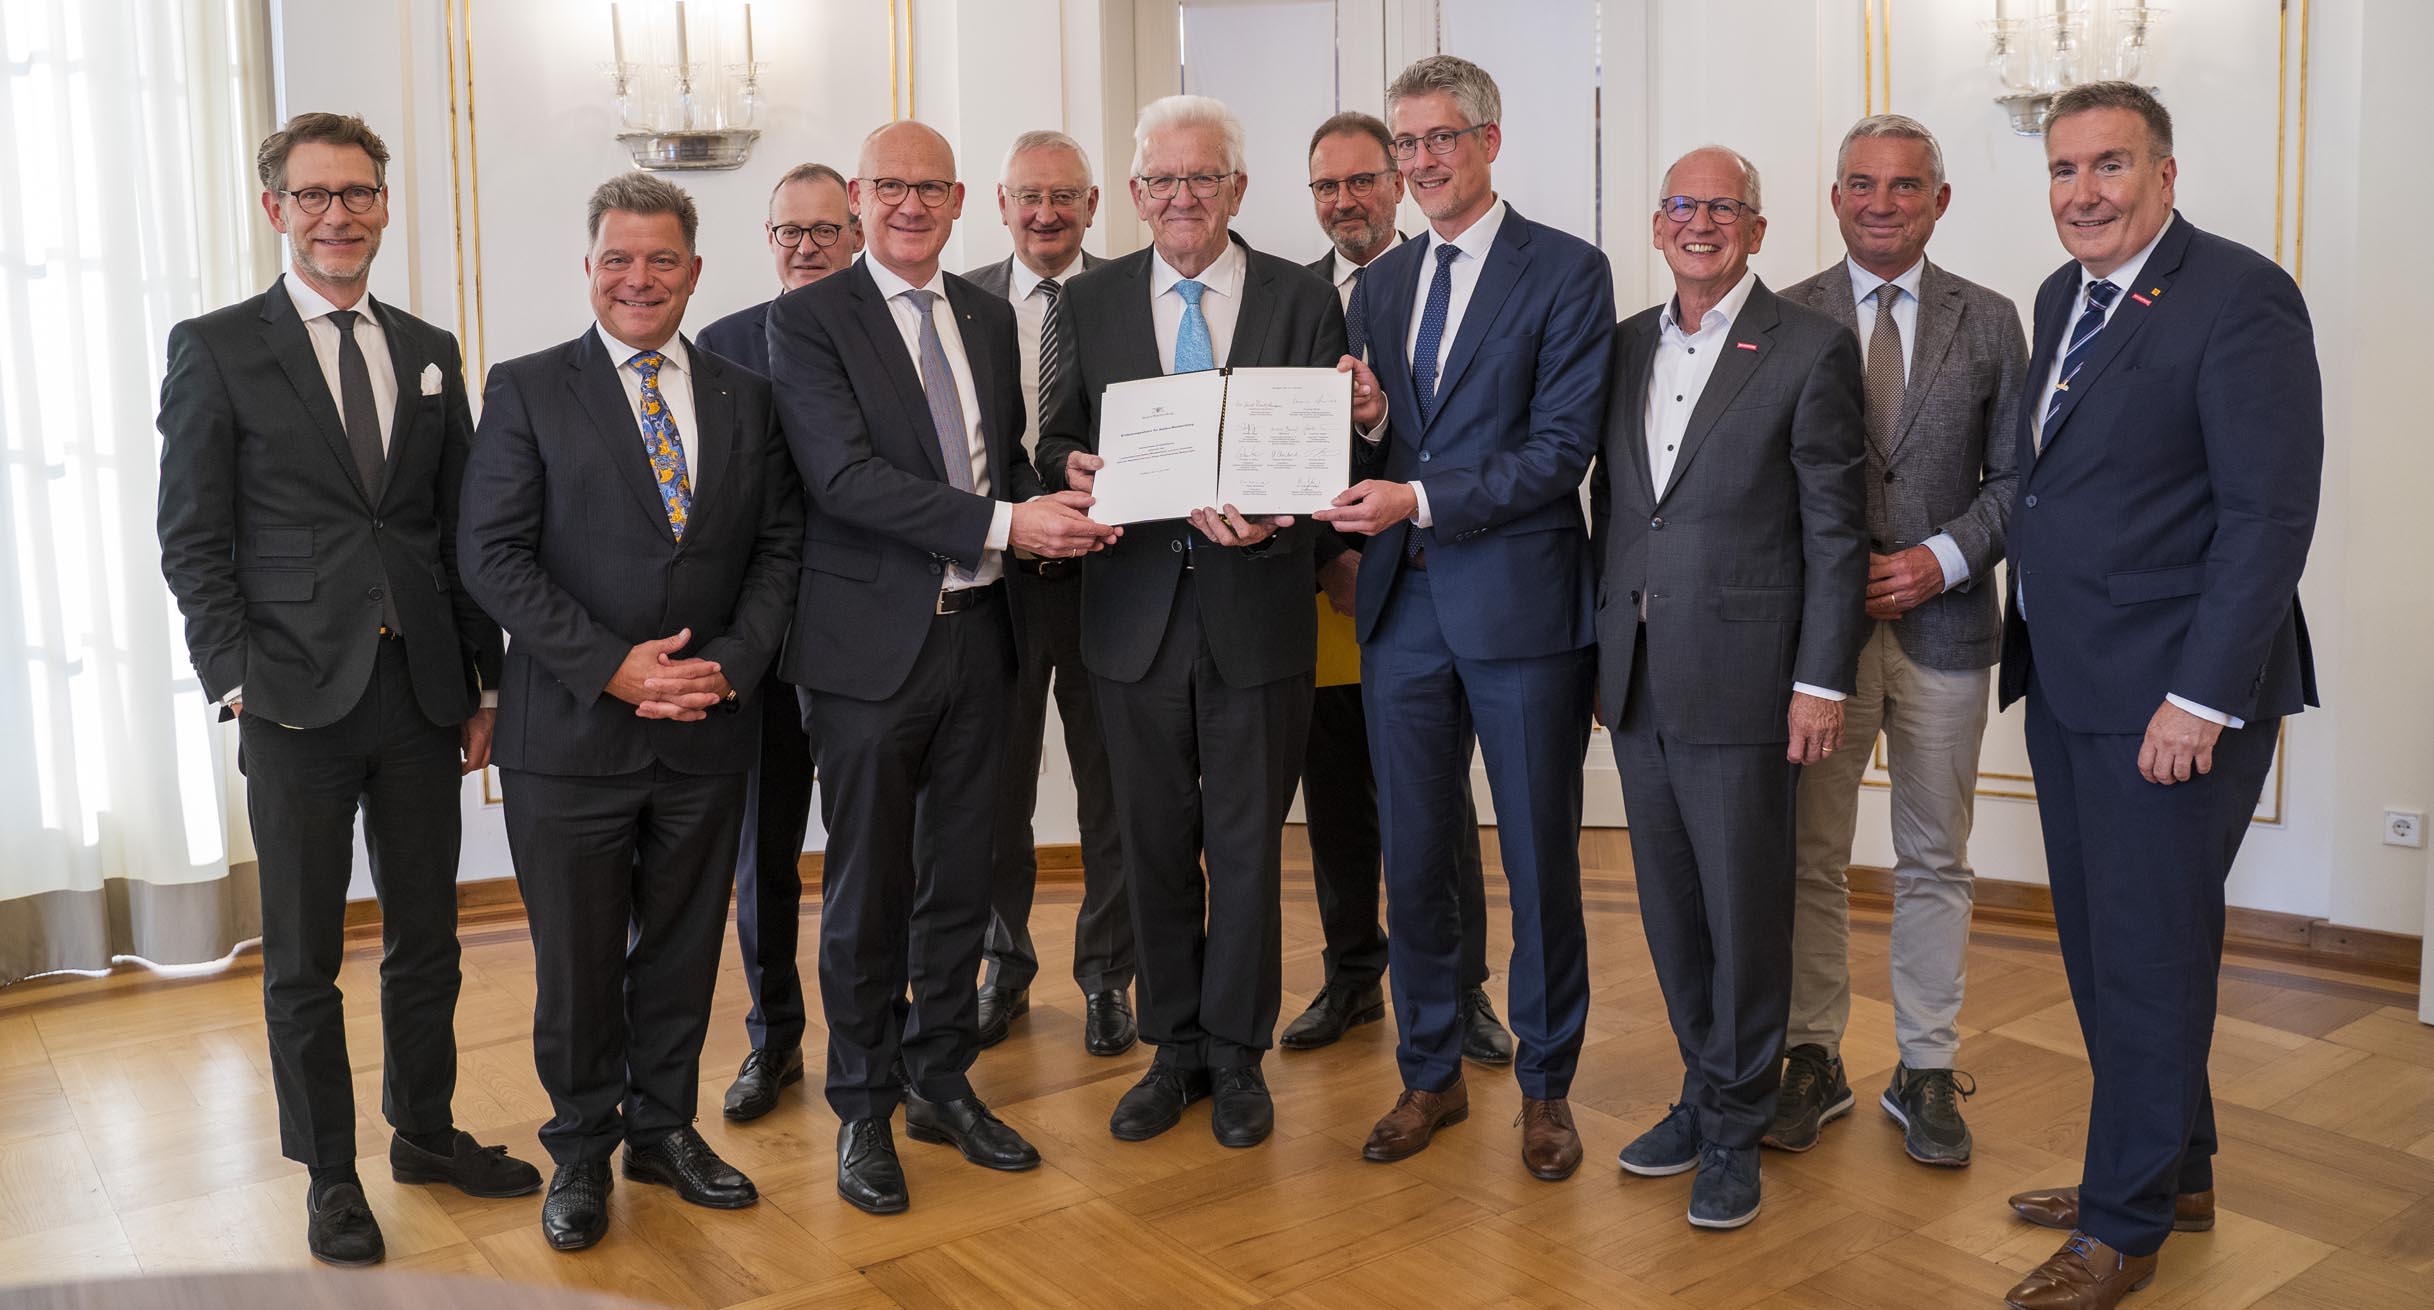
[[2293, 937]]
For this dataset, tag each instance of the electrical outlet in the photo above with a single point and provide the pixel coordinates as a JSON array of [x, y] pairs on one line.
[[2404, 828]]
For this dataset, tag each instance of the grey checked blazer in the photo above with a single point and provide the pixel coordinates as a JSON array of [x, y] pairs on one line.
[[1952, 465]]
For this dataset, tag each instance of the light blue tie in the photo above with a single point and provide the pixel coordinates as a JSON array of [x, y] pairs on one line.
[[1193, 353]]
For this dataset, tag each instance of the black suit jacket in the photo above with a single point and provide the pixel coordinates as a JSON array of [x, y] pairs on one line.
[[1254, 601], [2160, 534], [1754, 559], [566, 540], [741, 337], [277, 554], [884, 523]]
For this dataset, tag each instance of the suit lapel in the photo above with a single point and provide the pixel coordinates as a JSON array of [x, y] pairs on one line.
[[1833, 297], [1137, 331], [1505, 262], [592, 377], [714, 433], [2135, 307], [1386, 290], [1256, 316], [1744, 352], [1939, 319], [283, 334], [1631, 399], [982, 361], [406, 365]]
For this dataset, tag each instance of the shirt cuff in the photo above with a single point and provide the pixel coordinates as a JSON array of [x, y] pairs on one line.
[[1819, 692], [1376, 434], [490, 700], [1948, 553], [235, 694], [2209, 715], [1420, 517], [1001, 526]]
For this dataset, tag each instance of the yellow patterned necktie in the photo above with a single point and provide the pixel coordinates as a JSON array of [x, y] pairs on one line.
[[659, 439]]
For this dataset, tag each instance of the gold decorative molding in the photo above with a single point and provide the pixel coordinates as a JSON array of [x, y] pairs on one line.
[[899, 61], [465, 179]]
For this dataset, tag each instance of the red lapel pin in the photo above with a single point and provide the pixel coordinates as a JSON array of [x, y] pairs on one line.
[[1746, 345], [2142, 299]]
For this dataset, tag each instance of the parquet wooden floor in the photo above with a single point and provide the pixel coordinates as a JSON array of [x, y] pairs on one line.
[[137, 1133]]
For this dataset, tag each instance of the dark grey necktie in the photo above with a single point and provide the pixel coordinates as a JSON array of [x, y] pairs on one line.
[[1052, 352], [356, 407]]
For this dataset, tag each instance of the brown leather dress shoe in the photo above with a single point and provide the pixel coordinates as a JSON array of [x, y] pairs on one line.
[[2084, 1275], [2058, 1207], [1550, 1145], [1415, 1118]]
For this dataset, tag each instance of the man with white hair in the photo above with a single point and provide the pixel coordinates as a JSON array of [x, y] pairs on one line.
[[1047, 200], [1199, 634]]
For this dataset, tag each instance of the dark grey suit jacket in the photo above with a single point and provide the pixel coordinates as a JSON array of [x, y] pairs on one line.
[[1754, 560], [276, 553], [1952, 465], [1254, 601], [884, 522], [998, 278], [566, 540]]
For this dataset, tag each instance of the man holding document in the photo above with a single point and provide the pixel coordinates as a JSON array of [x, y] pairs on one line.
[[1197, 626]]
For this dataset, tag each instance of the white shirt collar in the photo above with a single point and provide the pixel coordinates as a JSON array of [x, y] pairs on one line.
[[311, 304], [892, 286], [1477, 239], [1344, 268], [2126, 276], [1025, 281], [1725, 311], [1223, 277], [622, 353], [1865, 283]]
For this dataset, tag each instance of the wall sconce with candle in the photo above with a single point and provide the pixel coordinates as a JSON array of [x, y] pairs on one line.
[[2060, 45], [684, 98]]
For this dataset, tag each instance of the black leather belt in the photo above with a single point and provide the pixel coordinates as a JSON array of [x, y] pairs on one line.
[[964, 598], [1045, 568]]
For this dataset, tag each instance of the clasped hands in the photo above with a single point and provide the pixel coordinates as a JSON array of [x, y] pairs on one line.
[[660, 686]]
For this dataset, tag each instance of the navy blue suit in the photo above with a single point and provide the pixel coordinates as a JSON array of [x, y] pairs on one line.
[[2156, 549], [1490, 629], [777, 795]]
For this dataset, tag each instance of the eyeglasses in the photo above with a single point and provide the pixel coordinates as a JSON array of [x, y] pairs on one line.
[[1203, 185], [891, 190], [1359, 184], [316, 200], [1440, 142], [1061, 198], [791, 235], [1725, 210]]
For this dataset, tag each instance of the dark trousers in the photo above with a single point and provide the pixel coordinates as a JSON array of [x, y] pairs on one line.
[[1340, 804], [625, 879], [1049, 636], [2137, 871], [1531, 719], [769, 872], [1712, 854], [1204, 775], [303, 789], [908, 790]]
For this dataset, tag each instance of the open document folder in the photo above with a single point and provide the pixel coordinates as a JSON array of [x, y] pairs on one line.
[[1264, 440]]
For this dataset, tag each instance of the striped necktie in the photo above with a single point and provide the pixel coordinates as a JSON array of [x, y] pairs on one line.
[[1052, 351], [2083, 335]]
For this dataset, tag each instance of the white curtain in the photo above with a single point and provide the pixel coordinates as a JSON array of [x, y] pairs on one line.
[[127, 130]]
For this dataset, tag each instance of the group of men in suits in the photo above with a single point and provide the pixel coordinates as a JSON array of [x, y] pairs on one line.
[[865, 505]]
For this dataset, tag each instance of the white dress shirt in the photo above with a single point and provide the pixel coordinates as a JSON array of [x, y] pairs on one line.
[[1030, 320], [1474, 243], [1344, 270], [1947, 552], [2126, 278], [1220, 303], [675, 392], [1677, 374], [991, 565], [315, 309]]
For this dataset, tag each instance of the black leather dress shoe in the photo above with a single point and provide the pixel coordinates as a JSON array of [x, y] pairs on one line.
[[339, 1228], [575, 1215], [965, 1124], [475, 1169], [1108, 1028], [1484, 1040], [868, 1175], [1156, 1103], [755, 1090], [1240, 1111], [684, 1161], [1335, 1010], [999, 1008]]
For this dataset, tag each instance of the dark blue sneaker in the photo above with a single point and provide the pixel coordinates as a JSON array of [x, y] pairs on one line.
[[1672, 1147], [1725, 1194]]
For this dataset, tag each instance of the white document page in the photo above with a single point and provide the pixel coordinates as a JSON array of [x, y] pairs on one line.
[[1288, 440], [1159, 438]]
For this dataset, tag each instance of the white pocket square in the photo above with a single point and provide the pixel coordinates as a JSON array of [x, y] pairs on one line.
[[431, 381]]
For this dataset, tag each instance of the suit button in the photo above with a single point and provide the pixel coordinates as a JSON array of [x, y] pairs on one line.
[[2030, 500], [1175, 547], [377, 525], [1657, 524], [373, 594], [1423, 456], [1888, 475]]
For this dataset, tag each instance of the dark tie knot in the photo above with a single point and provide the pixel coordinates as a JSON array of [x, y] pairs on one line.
[[345, 319], [1447, 253], [2100, 294], [1052, 287], [1887, 294]]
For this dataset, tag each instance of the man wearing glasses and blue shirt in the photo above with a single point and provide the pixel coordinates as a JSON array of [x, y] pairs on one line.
[[811, 236]]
